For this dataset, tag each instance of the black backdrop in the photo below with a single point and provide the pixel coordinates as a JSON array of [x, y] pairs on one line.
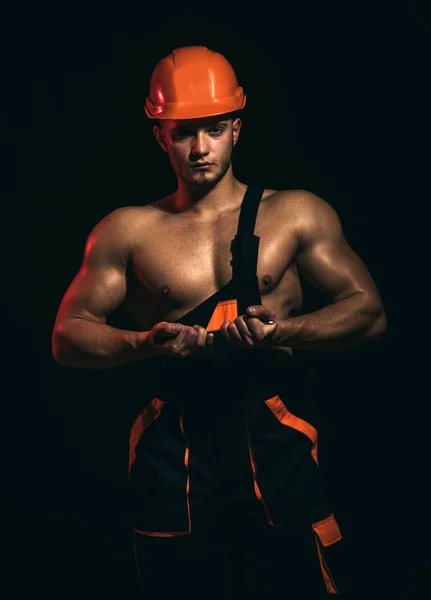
[[337, 104]]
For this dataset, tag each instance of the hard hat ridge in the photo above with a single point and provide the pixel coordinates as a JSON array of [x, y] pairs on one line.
[[193, 82]]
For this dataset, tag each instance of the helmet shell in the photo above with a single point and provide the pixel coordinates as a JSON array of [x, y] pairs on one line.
[[193, 82]]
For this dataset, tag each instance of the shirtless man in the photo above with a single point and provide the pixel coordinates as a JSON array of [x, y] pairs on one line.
[[164, 262]]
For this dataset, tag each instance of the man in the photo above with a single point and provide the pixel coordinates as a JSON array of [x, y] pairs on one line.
[[227, 496]]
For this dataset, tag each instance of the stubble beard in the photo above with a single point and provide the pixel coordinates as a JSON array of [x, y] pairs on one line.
[[206, 180]]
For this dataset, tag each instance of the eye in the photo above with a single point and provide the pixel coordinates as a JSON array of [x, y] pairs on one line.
[[182, 133], [216, 130]]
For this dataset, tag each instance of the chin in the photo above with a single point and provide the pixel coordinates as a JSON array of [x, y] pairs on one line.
[[204, 179]]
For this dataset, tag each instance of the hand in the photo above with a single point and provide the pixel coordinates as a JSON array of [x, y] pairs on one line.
[[176, 339], [255, 329]]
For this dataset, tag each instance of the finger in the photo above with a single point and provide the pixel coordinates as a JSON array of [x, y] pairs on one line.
[[261, 312], [231, 333], [172, 328], [234, 334], [256, 328], [183, 345], [223, 329], [181, 338], [267, 332], [190, 338], [201, 338], [166, 331], [244, 332]]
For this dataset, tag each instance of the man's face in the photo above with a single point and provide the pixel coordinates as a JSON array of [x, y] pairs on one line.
[[192, 142]]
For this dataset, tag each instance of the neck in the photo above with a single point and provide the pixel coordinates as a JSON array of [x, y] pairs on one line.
[[209, 201]]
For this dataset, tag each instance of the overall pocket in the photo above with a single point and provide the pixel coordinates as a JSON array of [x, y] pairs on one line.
[[333, 556]]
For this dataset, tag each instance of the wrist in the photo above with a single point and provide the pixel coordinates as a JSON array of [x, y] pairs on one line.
[[283, 333], [145, 346]]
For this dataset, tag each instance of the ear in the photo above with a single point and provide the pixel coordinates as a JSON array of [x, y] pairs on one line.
[[236, 129], [159, 135]]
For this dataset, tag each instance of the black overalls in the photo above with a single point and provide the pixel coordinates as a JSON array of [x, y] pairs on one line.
[[228, 499]]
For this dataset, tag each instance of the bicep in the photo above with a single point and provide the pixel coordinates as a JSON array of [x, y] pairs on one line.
[[327, 261], [94, 293], [100, 284]]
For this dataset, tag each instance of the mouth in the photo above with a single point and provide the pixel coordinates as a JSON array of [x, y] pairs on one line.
[[201, 166]]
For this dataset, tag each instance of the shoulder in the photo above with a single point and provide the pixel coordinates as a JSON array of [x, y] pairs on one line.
[[301, 201], [123, 217], [116, 233], [305, 209], [312, 220], [123, 221]]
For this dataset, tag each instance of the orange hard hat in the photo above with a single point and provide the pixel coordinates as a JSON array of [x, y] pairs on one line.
[[193, 82]]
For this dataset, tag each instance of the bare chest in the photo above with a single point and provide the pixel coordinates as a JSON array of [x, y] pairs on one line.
[[180, 262]]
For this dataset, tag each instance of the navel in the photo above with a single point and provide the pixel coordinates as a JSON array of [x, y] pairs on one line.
[[267, 279], [166, 290]]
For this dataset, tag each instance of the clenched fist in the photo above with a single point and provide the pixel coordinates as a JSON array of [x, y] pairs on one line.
[[254, 329], [176, 339]]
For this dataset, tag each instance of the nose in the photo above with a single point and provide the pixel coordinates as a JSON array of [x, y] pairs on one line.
[[199, 145]]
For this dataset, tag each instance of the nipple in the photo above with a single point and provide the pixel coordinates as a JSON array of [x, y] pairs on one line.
[[267, 279]]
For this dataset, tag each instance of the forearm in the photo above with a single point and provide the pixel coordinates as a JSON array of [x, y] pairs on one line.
[[91, 345], [346, 324]]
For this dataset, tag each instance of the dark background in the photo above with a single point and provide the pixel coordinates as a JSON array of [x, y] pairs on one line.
[[337, 104]]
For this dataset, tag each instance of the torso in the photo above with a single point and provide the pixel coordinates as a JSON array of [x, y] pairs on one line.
[[177, 261]]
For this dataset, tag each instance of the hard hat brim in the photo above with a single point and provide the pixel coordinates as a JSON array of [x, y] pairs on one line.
[[177, 112]]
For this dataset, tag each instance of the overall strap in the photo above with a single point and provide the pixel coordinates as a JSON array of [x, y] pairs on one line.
[[244, 249]]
